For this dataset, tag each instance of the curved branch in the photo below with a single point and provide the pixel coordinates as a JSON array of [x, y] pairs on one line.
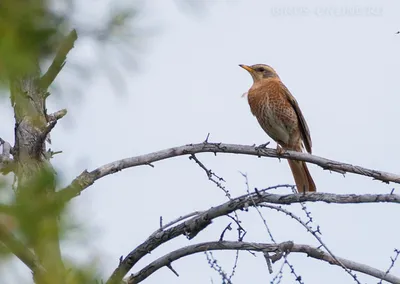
[[193, 226], [276, 248], [86, 178]]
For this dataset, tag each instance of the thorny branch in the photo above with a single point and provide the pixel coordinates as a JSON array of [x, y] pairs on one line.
[[292, 271], [393, 261], [86, 178], [213, 263], [289, 247], [314, 233], [194, 225], [217, 180]]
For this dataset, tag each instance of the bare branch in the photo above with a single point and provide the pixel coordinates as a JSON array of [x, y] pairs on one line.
[[87, 178], [260, 247], [286, 261], [213, 263], [177, 220], [213, 177], [194, 225], [393, 261], [57, 115], [314, 233], [268, 260], [59, 61]]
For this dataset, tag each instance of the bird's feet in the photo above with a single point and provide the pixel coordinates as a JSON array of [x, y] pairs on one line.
[[279, 150]]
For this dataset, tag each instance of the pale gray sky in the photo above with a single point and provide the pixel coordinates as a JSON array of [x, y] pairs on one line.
[[340, 59]]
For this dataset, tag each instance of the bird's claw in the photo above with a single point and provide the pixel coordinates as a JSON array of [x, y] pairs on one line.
[[280, 151]]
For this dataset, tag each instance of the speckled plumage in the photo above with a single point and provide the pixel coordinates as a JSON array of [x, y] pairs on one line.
[[279, 115]]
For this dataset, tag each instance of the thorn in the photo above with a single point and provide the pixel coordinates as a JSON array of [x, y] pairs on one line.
[[262, 146], [161, 222], [173, 270], [221, 238], [150, 165], [121, 258], [392, 191], [206, 141]]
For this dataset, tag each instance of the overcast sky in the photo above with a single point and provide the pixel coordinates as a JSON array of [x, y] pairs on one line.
[[340, 59]]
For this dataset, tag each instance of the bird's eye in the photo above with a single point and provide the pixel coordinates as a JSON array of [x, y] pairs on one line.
[[260, 69]]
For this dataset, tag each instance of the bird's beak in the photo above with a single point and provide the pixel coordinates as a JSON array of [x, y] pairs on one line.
[[248, 68]]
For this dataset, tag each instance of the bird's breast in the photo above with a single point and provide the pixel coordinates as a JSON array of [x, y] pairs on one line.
[[273, 111]]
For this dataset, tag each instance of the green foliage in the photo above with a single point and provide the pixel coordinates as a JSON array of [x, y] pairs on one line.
[[31, 32], [28, 32]]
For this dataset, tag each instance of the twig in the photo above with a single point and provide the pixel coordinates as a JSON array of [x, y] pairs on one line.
[[214, 265], [217, 180], [268, 260], [250, 196], [211, 176], [234, 266], [260, 247], [314, 233], [279, 275], [241, 231], [393, 261], [255, 207], [221, 238]]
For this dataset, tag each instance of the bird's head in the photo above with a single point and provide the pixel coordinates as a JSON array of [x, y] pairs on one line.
[[260, 71]]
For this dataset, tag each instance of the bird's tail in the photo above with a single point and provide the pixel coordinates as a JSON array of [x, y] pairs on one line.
[[302, 176]]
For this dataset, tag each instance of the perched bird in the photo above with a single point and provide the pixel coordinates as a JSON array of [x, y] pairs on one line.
[[279, 115]]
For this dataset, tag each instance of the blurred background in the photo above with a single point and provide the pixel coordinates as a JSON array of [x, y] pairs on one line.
[[149, 75]]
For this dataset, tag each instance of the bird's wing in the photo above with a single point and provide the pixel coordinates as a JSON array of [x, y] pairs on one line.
[[305, 132]]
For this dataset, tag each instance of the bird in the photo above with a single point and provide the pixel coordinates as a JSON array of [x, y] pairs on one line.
[[279, 115]]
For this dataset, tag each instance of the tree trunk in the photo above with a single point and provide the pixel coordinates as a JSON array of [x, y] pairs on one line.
[[35, 176]]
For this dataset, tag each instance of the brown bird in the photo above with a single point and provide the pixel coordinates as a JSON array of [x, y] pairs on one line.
[[279, 115]]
